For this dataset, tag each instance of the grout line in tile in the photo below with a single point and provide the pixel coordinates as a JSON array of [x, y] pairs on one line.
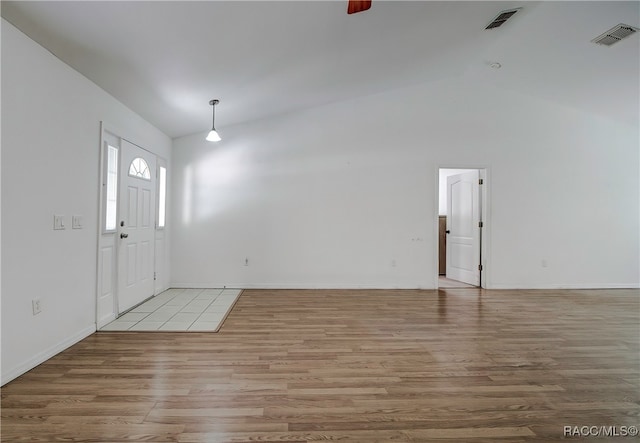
[[203, 310]]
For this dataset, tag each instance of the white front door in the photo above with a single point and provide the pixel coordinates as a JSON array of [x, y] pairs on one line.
[[136, 226], [463, 230]]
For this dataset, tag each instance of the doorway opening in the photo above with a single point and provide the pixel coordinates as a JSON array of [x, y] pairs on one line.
[[462, 224]]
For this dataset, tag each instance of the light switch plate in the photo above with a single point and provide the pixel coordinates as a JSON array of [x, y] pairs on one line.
[[36, 306], [77, 222], [58, 222]]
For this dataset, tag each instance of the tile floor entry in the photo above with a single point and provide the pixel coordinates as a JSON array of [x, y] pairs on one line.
[[201, 310]]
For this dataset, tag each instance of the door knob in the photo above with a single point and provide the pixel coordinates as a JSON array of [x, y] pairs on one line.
[[447, 231], [123, 235]]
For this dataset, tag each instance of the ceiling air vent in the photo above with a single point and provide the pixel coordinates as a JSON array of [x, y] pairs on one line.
[[501, 18], [615, 34]]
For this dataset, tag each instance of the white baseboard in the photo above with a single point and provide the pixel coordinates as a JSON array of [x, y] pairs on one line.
[[200, 285], [184, 285], [46, 354], [568, 286]]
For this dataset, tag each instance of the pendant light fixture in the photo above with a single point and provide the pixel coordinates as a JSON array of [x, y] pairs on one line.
[[213, 134]]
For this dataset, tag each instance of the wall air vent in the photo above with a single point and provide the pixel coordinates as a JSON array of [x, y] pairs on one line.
[[615, 34], [501, 18]]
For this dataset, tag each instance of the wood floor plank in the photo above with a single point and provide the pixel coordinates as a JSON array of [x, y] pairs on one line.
[[349, 365]]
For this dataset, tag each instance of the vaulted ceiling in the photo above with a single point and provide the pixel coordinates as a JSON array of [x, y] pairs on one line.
[[166, 60]]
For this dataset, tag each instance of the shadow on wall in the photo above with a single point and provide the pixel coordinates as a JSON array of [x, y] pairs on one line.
[[213, 185]]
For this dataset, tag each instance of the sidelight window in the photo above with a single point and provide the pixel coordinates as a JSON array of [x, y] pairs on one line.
[[162, 196], [111, 188]]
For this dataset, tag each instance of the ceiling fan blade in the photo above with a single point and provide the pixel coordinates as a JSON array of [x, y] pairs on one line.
[[358, 6]]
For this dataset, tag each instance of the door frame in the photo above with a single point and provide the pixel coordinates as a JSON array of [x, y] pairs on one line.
[[107, 263], [485, 217]]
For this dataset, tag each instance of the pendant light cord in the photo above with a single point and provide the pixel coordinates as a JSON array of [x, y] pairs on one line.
[[213, 103]]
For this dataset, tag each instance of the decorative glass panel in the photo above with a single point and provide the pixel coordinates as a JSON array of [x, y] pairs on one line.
[[139, 168], [111, 188], [162, 197]]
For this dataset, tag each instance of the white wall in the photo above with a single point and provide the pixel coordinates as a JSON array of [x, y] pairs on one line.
[[50, 146], [325, 198]]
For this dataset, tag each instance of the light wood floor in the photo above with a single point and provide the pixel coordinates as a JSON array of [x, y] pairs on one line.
[[354, 366]]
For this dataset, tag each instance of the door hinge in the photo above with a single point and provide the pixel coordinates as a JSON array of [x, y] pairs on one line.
[[479, 267], [480, 224], [154, 275], [481, 181]]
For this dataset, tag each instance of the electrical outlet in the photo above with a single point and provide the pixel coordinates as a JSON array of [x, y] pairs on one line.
[[246, 261], [393, 263], [544, 263], [36, 305]]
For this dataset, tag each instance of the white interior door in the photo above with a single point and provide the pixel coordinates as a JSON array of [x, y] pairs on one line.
[[136, 226], [463, 230]]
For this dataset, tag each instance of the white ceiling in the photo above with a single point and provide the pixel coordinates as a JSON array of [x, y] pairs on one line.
[[166, 60]]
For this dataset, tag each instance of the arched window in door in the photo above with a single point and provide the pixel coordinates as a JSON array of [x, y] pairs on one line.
[[139, 168]]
